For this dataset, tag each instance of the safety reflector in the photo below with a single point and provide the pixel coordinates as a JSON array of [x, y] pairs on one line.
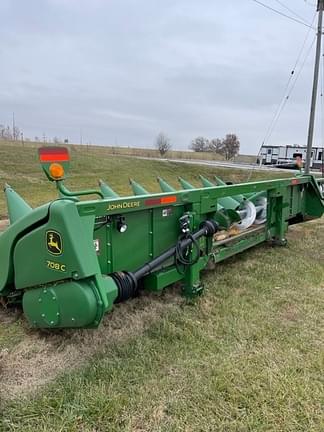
[[163, 200], [294, 181], [53, 154]]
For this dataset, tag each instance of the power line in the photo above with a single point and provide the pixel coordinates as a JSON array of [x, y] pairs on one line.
[[287, 97], [302, 66], [282, 14], [290, 10], [310, 4], [304, 43]]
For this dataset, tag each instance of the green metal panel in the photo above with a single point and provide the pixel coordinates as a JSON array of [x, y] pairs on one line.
[[159, 280], [137, 188], [8, 240], [68, 304], [226, 202], [106, 190], [165, 228], [295, 200], [185, 184], [102, 244], [165, 187], [17, 207], [206, 182], [72, 257], [134, 247], [314, 200], [239, 198], [149, 233]]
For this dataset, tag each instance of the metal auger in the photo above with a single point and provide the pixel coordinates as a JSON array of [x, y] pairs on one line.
[[251, 208]]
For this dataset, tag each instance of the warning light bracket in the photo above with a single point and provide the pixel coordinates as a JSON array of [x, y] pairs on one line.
[[54, 155]]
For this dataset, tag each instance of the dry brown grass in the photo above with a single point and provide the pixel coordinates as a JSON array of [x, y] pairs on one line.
[[41, 356]]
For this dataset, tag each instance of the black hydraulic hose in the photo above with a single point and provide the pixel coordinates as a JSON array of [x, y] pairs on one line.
[[208, 229], [127, 282]]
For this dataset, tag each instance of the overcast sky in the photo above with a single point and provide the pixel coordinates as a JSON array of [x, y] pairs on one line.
[[123, 70]]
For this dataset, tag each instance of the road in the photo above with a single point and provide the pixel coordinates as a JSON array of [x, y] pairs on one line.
[[223, 164]]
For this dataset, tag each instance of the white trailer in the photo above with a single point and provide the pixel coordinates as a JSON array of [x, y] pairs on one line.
[[275, 155]]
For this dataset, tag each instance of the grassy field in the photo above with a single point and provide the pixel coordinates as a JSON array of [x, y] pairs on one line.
[[246, 356], [20, 168], [141, 152]]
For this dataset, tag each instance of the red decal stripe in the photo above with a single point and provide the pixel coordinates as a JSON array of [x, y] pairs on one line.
[[163, 200], [168, 200], [54, 158], [152, 202], [53, 154]]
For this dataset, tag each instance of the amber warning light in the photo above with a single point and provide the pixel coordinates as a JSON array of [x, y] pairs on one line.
[[55, 161], [56, 171]]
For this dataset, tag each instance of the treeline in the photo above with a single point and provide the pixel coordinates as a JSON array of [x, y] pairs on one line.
[[14, 133], [10, 133], [228, 147]]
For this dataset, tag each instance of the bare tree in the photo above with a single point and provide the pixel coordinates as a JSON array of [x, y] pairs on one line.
[[56, 140], [2, 131], [230, 146], [215, 145], [6, 133], [163, 143], [15, 133], [199, 144]]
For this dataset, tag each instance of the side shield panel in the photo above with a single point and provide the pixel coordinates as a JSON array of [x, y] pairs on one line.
[[60, 249], [9, 239]]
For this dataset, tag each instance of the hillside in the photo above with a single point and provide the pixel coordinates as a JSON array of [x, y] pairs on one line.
[[20, 168]]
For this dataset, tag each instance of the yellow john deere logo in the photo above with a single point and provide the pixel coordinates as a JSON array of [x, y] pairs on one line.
[[54, 243]]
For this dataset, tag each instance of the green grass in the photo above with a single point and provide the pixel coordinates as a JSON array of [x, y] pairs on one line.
[[20, 168], [146, 152], [246, 356]]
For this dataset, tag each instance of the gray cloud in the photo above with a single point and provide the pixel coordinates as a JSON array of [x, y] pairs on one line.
[[121, 71]]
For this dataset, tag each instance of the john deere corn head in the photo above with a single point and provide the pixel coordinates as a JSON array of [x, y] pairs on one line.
[[68, 261]]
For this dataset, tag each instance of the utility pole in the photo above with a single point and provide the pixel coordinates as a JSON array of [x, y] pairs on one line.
[[320, 8]]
